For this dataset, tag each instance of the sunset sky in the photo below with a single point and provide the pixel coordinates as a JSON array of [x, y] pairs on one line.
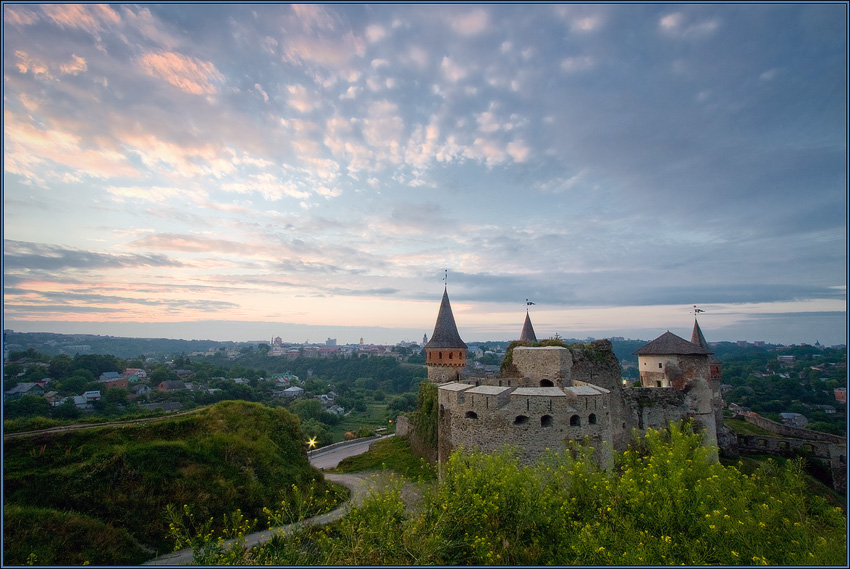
[[237, 172]]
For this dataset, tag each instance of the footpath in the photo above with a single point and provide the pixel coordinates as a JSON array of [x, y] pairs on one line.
[[359, 484]]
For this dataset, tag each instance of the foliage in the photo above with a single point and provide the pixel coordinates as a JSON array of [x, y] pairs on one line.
[[424, 419], [231, 455], [392, 453], [664, 503], [40, 536]]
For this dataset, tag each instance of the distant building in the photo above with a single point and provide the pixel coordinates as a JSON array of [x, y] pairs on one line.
[[24, 389], [794, 420], [841, 394], [293, 392]]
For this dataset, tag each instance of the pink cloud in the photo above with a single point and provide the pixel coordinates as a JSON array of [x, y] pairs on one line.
[[89, 17], [187, 73]]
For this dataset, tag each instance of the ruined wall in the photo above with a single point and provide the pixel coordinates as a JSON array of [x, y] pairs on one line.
[[787, 431], [551, 363], [652, 408], [596, 363]]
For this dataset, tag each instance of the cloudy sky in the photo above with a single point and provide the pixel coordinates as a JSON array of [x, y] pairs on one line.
[[243, 171]]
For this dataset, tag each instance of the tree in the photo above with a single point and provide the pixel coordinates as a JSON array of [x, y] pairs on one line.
[[67, 410], [60, 366], [26, 406]]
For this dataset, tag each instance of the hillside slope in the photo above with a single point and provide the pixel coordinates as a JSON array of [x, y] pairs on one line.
[[233, 455]]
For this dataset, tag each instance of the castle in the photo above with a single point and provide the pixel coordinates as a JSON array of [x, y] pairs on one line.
[[545, 397]]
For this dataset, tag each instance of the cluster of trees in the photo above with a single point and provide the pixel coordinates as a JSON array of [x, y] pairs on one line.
[[355, 381], [769, 387]]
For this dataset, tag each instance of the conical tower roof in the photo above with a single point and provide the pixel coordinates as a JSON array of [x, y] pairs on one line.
[[698, 339], [445, 330], [668, 344], [527, 334]]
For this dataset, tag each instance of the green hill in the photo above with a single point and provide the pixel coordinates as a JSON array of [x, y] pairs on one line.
[[233, 455]]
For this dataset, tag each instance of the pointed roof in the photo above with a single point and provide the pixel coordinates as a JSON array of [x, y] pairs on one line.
[[527, 334], [445, 330], [698, 339], [670, 344]]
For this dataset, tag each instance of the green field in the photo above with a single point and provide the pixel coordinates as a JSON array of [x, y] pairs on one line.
[[375, 416]]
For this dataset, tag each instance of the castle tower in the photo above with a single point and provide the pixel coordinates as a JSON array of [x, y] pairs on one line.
[[445, 352], [713, 362], [671, 361], [527, 334]]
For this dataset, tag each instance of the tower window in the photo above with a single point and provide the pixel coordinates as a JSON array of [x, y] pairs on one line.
[[441, 355], [451, 354], [592, 419], [521, 420], [471, 415], [659, 366], [575, 421], [546, 421]]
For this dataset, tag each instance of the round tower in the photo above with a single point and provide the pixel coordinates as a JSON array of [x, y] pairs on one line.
[[445, 352]]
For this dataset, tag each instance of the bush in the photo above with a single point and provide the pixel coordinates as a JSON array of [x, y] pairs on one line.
[[664, 503]]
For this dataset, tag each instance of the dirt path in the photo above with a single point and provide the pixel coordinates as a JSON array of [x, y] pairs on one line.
[[359, 484]]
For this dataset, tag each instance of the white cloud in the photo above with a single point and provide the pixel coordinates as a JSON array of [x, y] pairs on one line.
[[518, 150], [674, 24], [375, 33], [300, 99], [262, 93], [452, 70], [470, 24], [575, 64]]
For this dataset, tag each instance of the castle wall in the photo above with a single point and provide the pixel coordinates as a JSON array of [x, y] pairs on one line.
[[444, 373], [551, 363], [532, 419]]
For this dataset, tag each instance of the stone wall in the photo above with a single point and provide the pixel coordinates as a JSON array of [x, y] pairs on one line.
[[551, 363], [444, 373], [596, 363], [652, 408], [788, 431], [533, 420]]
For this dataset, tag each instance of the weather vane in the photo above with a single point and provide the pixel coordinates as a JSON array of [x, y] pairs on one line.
[[446, 277], [527, 304], [697, 310]]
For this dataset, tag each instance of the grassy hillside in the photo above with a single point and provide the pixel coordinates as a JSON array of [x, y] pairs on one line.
[[233, 455]]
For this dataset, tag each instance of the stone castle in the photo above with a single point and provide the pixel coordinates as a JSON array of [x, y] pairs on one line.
[[546, 397]]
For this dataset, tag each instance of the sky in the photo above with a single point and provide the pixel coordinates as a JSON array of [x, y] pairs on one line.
[[244, 171]]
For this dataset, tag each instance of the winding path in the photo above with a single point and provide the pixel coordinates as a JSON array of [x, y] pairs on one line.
[[359, 484]]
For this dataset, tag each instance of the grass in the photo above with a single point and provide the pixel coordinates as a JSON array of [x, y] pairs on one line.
[[375, 416], [744, 428], [393, 453], [40, 536], [232, 455]]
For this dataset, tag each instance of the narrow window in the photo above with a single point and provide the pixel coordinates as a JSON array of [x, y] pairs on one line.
[[441, 355], [575, 421], [657, 384], [546, 421], [521, 420], [451, 355], [592, 419], [659, 366]]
